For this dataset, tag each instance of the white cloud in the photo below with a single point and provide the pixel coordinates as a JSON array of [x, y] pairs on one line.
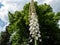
[[47, 1], [54, 4], [9, 5]]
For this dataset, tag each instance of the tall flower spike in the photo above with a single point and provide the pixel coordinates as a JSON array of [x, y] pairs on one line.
[[33, 19]]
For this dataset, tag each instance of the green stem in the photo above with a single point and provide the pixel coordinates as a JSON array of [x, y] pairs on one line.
[[35, 42]]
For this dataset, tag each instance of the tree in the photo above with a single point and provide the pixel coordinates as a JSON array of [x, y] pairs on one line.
[[4, 37], [19, 25]]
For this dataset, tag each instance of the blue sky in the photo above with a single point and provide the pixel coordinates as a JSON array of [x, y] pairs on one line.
[[1, 4], [9, 5]]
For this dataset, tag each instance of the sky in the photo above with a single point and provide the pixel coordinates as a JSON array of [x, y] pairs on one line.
[[13, 5], [1, 5]]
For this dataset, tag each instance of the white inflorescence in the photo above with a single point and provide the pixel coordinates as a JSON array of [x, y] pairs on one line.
[[34, 27]]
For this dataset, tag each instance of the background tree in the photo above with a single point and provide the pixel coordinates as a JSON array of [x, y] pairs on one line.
[[19, 25], [5, 37]]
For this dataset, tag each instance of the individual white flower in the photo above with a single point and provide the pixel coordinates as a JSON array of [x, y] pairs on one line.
[[34, 19], [30, 32], [36, 31], [33, 36], [30, 40], [31, 21], [33, 33], [39, 32], [34, 24], [36, 38], [37, 27], [27, 44], [30, 28], [30, 24], [40, 40], [32, 16], [39, 35], [37, 24]]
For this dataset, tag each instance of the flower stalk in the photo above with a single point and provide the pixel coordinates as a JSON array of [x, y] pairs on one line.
[[33, 23]]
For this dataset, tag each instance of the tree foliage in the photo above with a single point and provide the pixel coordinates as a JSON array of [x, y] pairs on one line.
[[19, 23], [4, 37]]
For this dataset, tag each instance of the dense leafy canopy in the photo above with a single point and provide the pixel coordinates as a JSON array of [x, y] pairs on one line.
[[19, 23]]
